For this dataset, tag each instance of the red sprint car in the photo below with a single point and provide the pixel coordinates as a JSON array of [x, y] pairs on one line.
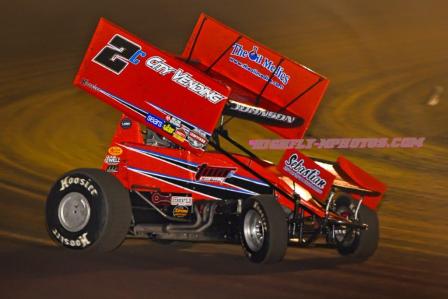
[[168, 176]]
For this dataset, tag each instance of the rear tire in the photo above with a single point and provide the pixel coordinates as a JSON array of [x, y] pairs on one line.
[[88, 209], [358, 244], [263, 229]]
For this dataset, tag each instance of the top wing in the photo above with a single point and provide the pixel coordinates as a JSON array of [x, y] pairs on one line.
[[257, 75], [153, 87]]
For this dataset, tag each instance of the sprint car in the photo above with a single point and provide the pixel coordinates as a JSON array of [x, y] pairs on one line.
[[168, 174]]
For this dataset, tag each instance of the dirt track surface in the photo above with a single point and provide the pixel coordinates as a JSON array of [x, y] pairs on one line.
[[384, 59]]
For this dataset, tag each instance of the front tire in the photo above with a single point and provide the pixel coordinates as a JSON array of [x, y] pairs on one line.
[[263, 229], [88, 209]]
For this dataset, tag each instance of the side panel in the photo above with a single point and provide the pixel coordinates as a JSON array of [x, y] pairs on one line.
[[211, 176], [168, 171], [307, 173], [364, 180], [152, 87]]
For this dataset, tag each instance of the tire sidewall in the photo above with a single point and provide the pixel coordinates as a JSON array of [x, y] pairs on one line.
[[88, 236], [365, 242]]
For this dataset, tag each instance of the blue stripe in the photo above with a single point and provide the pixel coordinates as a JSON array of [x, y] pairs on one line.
[[192, 182], [196, 165], [165, 156], [121, 101], [250, 180]]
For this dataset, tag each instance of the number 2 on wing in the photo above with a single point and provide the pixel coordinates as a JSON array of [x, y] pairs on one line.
[[117, 54]]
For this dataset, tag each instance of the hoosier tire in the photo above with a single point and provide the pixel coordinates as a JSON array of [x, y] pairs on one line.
[[263, 230], [88, 209]]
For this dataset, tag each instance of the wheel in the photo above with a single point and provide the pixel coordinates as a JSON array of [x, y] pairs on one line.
[[88, 209], [263, 229], [356, 243]]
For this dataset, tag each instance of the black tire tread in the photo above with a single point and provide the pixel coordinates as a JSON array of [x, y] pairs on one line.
[[119, 210], [368, 240]]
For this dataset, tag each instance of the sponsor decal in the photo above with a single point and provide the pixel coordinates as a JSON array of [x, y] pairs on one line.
[[178, 122], [207, 173], [256, 72], [112, 168], [112, 160], [179, 137], [158, 198], [196, 139], [174, 121], [86, 183], [154, 120], [180, 211], [212, 179], [168, 128], [169, 199], [115, 150], [181, 201], [180, 134], [126, 123], [295, 166], [184, 79], [253, 55], [81, 241], [307, 173]]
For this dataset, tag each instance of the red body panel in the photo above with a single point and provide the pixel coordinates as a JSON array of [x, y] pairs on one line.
[[364, 180], [235, 58], [144, 166], [137, 84]]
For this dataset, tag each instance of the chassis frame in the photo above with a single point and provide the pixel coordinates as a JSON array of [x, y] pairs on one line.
[[297, 228]]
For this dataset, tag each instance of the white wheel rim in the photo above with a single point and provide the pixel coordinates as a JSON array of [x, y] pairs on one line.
[[74, 211]]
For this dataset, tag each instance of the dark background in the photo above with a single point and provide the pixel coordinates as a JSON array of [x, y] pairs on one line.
[[385, 60]]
